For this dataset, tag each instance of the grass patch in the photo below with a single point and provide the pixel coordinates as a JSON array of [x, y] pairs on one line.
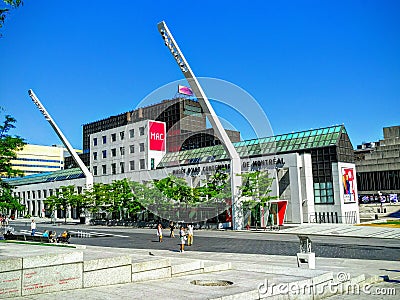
[[36, 244], [388, 223]]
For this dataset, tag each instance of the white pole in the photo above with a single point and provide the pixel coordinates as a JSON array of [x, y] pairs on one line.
[[235, 170]]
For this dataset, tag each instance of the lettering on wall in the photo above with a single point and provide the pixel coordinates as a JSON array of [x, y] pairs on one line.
[[156, 136]]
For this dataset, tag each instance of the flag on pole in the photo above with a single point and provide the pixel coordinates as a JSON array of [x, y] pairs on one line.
[[184, 90]]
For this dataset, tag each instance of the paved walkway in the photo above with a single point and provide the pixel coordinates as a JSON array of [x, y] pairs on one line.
[[248, 270], [344, 230]]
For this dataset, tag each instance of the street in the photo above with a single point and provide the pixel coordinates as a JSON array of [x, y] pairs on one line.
[[250, 242]]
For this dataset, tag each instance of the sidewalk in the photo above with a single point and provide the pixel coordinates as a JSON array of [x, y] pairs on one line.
[[248, 273], [324, 229]]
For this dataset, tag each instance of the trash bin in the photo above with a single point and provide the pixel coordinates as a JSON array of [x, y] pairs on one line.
[[82, 220]]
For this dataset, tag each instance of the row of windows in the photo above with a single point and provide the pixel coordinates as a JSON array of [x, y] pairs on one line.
[[38, 194], [121, 136], [41, 160], [113, 167], [121, 151], [379, 180], [37, 166]]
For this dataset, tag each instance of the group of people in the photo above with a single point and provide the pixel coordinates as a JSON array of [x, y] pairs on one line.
[[52, 235], [185, 235]]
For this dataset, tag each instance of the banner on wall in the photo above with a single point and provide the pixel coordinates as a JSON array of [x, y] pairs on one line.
[[156, 136], [348, 182]]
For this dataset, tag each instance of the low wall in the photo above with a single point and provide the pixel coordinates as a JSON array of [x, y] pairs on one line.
[[30, 275]]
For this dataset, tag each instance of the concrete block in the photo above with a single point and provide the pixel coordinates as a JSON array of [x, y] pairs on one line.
[[187, 266], [150, 264], [105, 263], [109, 276], [52, 279], [216, 267], [10, 264], [152, 274], [306, 258], [51, 259], [10, 284]]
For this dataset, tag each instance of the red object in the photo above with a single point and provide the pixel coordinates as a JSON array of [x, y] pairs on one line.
[[156, 136], [282, 204]]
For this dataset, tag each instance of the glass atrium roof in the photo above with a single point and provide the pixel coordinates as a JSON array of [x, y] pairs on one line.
[[46, 177], [284, 143]]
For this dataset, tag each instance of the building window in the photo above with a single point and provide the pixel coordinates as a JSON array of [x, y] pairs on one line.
[[95, 170], [114, 169], [104, 139], [51, 192], [94, 155], [152, 163], [44, 193], [94, 141], [104, 153], [132, 133], [141, 130], [113, 152], [142, 164], [323, 193], [122, 167], [113, 137], [39, 194], [141, 147], [104, 169], [122, 150], [132, 165], [33, 195], [122, 135], [132, 149]]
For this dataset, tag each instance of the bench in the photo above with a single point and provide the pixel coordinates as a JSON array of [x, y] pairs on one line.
[[22, 237]]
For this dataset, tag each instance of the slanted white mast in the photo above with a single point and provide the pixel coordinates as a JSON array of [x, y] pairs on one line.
[[82, 166], [237, 211]]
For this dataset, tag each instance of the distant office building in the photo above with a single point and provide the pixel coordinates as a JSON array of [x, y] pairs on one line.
[[34, 159], [378, 165], [185, 125]]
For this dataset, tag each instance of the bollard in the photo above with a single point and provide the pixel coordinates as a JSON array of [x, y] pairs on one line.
[[305, 256]]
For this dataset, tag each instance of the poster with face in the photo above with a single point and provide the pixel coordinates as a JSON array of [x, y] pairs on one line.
[[348, 181]]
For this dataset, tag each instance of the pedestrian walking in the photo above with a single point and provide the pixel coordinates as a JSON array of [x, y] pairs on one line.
[[182, 236], [33, 227], [159, 232], [171, 228], [190, 235]]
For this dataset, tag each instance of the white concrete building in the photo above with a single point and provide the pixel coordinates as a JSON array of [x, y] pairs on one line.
[[315, 168]]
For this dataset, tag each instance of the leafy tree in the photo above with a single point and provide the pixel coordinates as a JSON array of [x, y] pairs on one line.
[[256, 189], [65, 196], [122, 198], [6, 8], [217, 187], [9, 145], [176, 189]]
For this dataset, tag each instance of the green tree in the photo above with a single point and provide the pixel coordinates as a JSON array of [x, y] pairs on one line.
[[255, 190], [122, 198], [6, 7], [65, 196], [9, 145]]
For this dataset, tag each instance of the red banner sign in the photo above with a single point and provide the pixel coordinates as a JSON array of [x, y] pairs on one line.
[[156, 136]]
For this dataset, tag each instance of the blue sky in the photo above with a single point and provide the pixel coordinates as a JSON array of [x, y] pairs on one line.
[[309, 64]]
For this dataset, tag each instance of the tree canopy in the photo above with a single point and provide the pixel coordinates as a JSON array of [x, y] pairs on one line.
[[9, 145], [6, 7]]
